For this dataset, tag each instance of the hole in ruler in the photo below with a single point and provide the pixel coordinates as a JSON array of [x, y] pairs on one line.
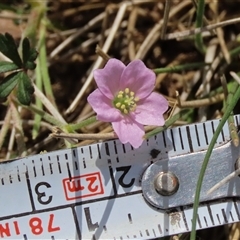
[[2, 181], [154, 153], [117, 159], [130, 217], [52, 238], [66, 156], [104, 228], [25, 237]]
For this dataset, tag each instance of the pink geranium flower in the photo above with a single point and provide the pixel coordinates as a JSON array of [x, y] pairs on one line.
[[124, 97]]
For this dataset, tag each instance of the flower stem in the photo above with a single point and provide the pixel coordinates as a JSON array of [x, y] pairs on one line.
[[77, 126], [167, 124], [199, 22], [231, 104], [180, 67]]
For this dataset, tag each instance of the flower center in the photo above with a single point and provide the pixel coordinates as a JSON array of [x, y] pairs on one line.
[[125, 101]]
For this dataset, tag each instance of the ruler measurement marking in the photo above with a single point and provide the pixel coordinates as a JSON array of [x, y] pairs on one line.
[[210, 214], [76, 223], [160, 229], [164, 139], [69, 172], [43, 173], [50, 165], [29, 191], [236, 209], [76, 165], [181, 140], [205, 220], [90, 152], [218, 218], [184, 218], [230, 212], [99, 152], [173, 141], [224, 215], [113, 181], [70, 205], [59, 166], [205, 133], [196, 131], [199, 222], [189, 139]]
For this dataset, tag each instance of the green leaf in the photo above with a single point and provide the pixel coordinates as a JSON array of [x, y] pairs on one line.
[[25, 50], [25, 89], [7, 66], [29, 55], [9, 48], [8, 84]]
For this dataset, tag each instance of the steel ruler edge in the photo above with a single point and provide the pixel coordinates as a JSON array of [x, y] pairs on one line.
[[94, 192]]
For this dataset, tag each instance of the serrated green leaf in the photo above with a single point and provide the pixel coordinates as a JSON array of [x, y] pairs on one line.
[[25, 89], [9, 49], [8, 84], [7, 66]]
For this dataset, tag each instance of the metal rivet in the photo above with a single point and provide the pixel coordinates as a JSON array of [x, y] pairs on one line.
[[166, 183]]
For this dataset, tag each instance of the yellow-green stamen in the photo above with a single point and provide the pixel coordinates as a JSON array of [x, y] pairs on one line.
[[125, 101]]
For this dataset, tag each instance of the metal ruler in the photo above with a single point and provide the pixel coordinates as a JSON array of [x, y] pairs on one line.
[[112, 191]]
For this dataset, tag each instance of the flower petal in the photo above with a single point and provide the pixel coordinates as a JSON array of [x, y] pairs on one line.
[[138, 78], [103, 107], [129, 131], [108, 79], [150, 110]]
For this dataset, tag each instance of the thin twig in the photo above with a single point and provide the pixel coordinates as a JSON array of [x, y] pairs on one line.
[[188, 33], [165, 17], [99, 61], [224, 181]]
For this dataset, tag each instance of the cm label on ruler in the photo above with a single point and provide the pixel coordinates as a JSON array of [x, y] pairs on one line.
[[95, 191]]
